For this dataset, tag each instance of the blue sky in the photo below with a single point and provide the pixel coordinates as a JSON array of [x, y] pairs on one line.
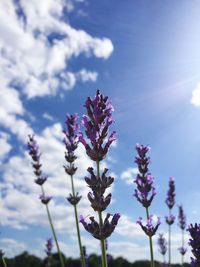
[[145, 56]]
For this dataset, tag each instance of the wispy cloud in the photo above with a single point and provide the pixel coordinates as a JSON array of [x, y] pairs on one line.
[[129, 175], [195, 100]]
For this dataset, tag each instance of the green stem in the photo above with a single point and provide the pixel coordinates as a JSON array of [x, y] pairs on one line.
[[77, 225], [54, 233], [182, 256], [4, 262], [103, 246], [150, 242], [169, 241]]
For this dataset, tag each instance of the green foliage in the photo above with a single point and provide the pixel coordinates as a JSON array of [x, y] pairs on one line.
[[27, 260]]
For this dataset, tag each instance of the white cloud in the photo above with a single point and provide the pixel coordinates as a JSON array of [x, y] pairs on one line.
[[33, 61], [195, 100], [129, 175], [4, 145], [47, 116], [86, 76], [12, 247]]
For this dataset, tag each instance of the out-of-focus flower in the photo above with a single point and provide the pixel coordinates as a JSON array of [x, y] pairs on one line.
[[107, 227], [194, 242], [170, 200], [45, 199], [74, 200], [181, 218], [182, 250], [96, 123], [35, 154], [145, 191], [149, 229], [170, 219], [71, 141], [162, 244], [49, 246]]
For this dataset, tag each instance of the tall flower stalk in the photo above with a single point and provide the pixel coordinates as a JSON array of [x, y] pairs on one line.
[[71, 144], [145, 193], [162, 244], [2, 257], [194, 242], [48, 250], [35, 154], [96, 123], [170, 202], [182, 225]]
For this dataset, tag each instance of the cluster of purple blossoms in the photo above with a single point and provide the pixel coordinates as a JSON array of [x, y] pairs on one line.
[[181, 218], [97, 123], [170, 201], [98, 185], [35, 154], [162, 244], [49, 247], [194, 242], [145, 191], [149, 229], [71, 144], [103, 232], [182, 250]]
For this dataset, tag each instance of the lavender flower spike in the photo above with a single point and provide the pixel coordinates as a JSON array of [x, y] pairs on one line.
[[170, 200], [145, 191], [181, 218], [182, 250], [149, 229], [194, 242], [96, 123], [35, 154], [49, 246], [162, 244], [170, 219], [103, 232]]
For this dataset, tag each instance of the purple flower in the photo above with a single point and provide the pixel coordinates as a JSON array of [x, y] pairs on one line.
[[162, 244], [107, 228], [98, 185], [45, 199], [49, 246], [85, 256], [145, 191], [194, 242], [170, 219], [149, 229], [181, 218], [35, 154], [96, 123], [170, 200], [182, 250], [71, 139], [74, 200]]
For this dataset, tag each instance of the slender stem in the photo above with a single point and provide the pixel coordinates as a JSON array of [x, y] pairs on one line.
[[53, 231], [103, 246], [150, 242], [169, 241], [182, 256], [4, 262], [77, 225]]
